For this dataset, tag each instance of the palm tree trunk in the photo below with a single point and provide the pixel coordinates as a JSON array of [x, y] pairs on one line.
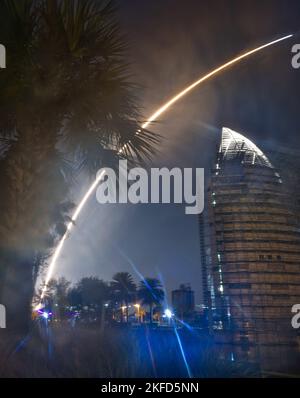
[[102, 317], [127, 311], [151, 313], [24, 173], [122, 313]]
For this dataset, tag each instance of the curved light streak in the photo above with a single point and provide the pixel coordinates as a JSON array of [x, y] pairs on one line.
[[152, 118]]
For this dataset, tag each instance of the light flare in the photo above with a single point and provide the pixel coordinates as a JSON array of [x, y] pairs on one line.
[[152, 118]]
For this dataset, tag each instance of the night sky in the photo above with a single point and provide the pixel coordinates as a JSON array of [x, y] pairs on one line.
[[172, 43]]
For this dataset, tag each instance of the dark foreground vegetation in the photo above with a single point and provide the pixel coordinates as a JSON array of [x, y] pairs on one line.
[[116, 352]]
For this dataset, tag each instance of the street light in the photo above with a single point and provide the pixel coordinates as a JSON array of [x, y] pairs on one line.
[[168, 313], [45, 315], [138, 306]]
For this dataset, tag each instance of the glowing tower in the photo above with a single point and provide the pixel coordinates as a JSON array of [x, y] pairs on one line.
[[250, 250]]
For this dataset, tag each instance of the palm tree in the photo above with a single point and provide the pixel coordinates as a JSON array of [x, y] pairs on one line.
[[123, 290], [151, 293], [66, 101]]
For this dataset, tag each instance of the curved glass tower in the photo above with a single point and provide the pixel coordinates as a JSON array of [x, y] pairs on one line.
[[250, 255]]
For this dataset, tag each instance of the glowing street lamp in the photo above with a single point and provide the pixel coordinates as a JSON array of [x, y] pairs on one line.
[[137, 306], [123, 311], [45, 314], [168, 313]]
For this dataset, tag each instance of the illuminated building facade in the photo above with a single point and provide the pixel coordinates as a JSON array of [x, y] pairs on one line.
[[250, 253]]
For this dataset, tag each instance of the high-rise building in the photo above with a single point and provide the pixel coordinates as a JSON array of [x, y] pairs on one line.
[[250, 253], [183, 301]]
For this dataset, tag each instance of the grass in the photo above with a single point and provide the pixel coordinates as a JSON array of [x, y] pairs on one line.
[[116, 353]]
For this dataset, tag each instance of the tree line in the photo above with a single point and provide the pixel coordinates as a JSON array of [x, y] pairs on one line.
[[92, 292]]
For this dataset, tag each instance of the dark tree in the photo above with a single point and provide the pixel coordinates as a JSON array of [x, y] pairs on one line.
[[123, 290], [66, 104], [151, 293]]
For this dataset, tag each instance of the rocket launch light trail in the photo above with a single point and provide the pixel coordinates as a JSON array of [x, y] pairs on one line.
[[152, 118], [182, 93]]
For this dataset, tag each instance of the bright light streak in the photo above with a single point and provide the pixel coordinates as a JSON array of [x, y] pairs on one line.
[[152, 118], [185, 324], [69, 228], [177, 97], [183, 353]]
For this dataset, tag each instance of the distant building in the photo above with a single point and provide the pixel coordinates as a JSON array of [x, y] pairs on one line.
[[183, 301], [250, 254]]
